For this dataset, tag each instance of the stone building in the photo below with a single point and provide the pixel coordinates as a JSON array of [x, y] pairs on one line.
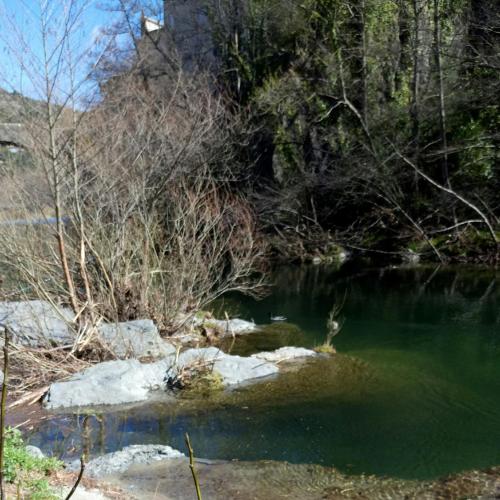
[[184, 35]]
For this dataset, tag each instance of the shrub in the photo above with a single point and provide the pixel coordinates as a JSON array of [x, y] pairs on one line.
[[26, 472]]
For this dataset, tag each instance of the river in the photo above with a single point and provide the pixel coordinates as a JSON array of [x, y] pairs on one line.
[[413, 393]]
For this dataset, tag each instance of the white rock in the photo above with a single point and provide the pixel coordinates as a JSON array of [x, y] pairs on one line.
[[34, 451], [83, 494], [135, 339], [108, 383], [411, 257], [37, 323], [236, 370], [342, 256], [232, 369], [233, 326], [120, 461], [285, 354], [204, 355]]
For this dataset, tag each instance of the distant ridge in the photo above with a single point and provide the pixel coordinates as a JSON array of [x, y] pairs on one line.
[[15, 111]]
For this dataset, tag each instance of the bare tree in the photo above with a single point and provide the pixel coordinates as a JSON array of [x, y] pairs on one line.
[[145, 222]]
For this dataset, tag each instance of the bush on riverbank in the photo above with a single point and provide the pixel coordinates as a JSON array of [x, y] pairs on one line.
[[25, 473]]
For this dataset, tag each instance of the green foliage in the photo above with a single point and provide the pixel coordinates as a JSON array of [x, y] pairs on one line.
[[478, 156], [338, 86], [25, 470]]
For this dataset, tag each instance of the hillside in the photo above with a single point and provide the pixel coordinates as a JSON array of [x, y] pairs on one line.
[[15, 110]]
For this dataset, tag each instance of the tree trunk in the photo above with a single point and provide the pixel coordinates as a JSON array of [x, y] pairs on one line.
[[415, 86], [442, 104]]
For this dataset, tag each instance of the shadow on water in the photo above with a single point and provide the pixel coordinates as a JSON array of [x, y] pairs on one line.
[[414, 394]]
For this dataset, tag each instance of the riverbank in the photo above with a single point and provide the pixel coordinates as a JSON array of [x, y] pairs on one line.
[[171, 479], [265, 480]]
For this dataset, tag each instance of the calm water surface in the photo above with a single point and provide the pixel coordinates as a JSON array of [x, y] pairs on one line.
[[414, 394]]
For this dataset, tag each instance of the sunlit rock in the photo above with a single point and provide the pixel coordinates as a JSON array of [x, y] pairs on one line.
[[120, 461], [108, 383], [134, 339], [37, 323]]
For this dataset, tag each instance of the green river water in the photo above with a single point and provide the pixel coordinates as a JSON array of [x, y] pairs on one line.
[[413, 393]]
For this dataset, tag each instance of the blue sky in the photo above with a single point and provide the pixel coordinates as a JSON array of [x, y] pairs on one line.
[[21, 41]]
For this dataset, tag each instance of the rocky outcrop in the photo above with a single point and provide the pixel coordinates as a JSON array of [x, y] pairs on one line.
[[14, 134], [205, 325], [232, 369], [129, 381], [37, 323]]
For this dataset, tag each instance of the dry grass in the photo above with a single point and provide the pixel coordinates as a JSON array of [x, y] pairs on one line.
[[197, 379], [33, 370], [325, 349], [62, 479]]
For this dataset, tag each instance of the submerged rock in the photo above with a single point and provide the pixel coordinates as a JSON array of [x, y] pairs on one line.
[[285, 354], [281, 481], [120, 461]]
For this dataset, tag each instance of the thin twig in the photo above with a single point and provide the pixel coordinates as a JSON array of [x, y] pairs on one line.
[[79, 478], [2, 409], [191, 466]]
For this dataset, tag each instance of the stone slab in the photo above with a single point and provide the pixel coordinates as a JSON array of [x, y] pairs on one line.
[[120, 461], [37, 323], [108, 383], [135, 339]]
